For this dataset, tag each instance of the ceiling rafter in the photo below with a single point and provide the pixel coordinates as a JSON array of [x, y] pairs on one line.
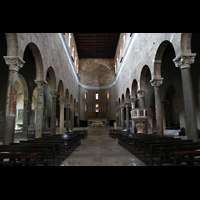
[[96, 45]]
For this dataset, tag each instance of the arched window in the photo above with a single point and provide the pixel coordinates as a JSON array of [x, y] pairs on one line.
[[85, 107], [97, 96], [107, 95], [85, 94]]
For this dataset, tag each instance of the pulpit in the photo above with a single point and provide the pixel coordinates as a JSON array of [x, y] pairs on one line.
[[139, 116]]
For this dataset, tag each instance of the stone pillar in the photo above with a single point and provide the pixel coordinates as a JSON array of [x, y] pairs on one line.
[[183, 61], [62, 107], [39, 109], [133, 106], [127, 116], [26, 116], [67, 106], [119, 116], [72, 118], [14, 63], [122, 117], [53, 112], [156, 82], [141, 95]]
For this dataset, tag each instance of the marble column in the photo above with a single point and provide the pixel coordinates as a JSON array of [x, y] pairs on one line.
[[141, 95], [127, 116], [133, 106], [122, 117], [119, 116], [183, 61], [39, 109], [53, 112], [14, 63], [62, 107], [133, 103], [156, 82], [26, 116], [72, 118], [67, 106]]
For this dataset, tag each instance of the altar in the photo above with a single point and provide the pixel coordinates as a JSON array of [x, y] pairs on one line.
[[97, 122]]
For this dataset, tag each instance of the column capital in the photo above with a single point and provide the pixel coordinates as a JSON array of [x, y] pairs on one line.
[[14, 62], [184, 60], [53, 94], [156, 81], [141, 93], [40, 85], [133, 99], [67, 105], [62, 100], [127, 104]]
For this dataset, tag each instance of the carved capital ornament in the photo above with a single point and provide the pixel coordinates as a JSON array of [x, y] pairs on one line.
[[184, 60]]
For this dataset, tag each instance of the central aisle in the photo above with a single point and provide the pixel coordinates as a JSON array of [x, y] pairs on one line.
[[99, 149]]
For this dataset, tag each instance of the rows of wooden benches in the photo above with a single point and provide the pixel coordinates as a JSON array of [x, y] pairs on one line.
[[49, 150], [159, 150]]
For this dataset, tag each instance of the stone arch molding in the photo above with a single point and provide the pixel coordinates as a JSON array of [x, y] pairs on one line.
[[38, 61], [157, 80]]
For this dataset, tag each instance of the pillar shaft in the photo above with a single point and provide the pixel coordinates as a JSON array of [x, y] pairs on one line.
[[53, 112], [62, 107], [67, 116], [141, 95], [122, 117], [39, 109], [127, 116], [72, 118], [25, 116], [14, 63], [156, 82], [183, 61]]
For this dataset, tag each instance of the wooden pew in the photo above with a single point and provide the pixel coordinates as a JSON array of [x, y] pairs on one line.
[[54, 150], [191, 154], [42, 153], [145, 154], [16, 159], [167, 153], [155, 150]]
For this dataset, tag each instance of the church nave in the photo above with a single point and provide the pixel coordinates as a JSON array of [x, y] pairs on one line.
[[101, 150]]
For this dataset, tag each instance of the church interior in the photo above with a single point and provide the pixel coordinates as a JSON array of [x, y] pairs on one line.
[[99, 99]]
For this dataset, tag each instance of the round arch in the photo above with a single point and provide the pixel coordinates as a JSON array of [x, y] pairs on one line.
[[38, 61], [127, 95], [123, 99], [144, 73], [158, 58], [61, 89], [119, 103], [51, 74], [134, 89]]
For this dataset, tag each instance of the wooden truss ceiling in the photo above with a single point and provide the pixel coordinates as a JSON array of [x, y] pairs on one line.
[[96, 45]]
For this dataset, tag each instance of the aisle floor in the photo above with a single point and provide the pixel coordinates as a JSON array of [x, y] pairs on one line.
[[101, 150]]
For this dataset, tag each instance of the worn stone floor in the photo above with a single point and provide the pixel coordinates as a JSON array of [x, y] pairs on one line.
[[101, 150]]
